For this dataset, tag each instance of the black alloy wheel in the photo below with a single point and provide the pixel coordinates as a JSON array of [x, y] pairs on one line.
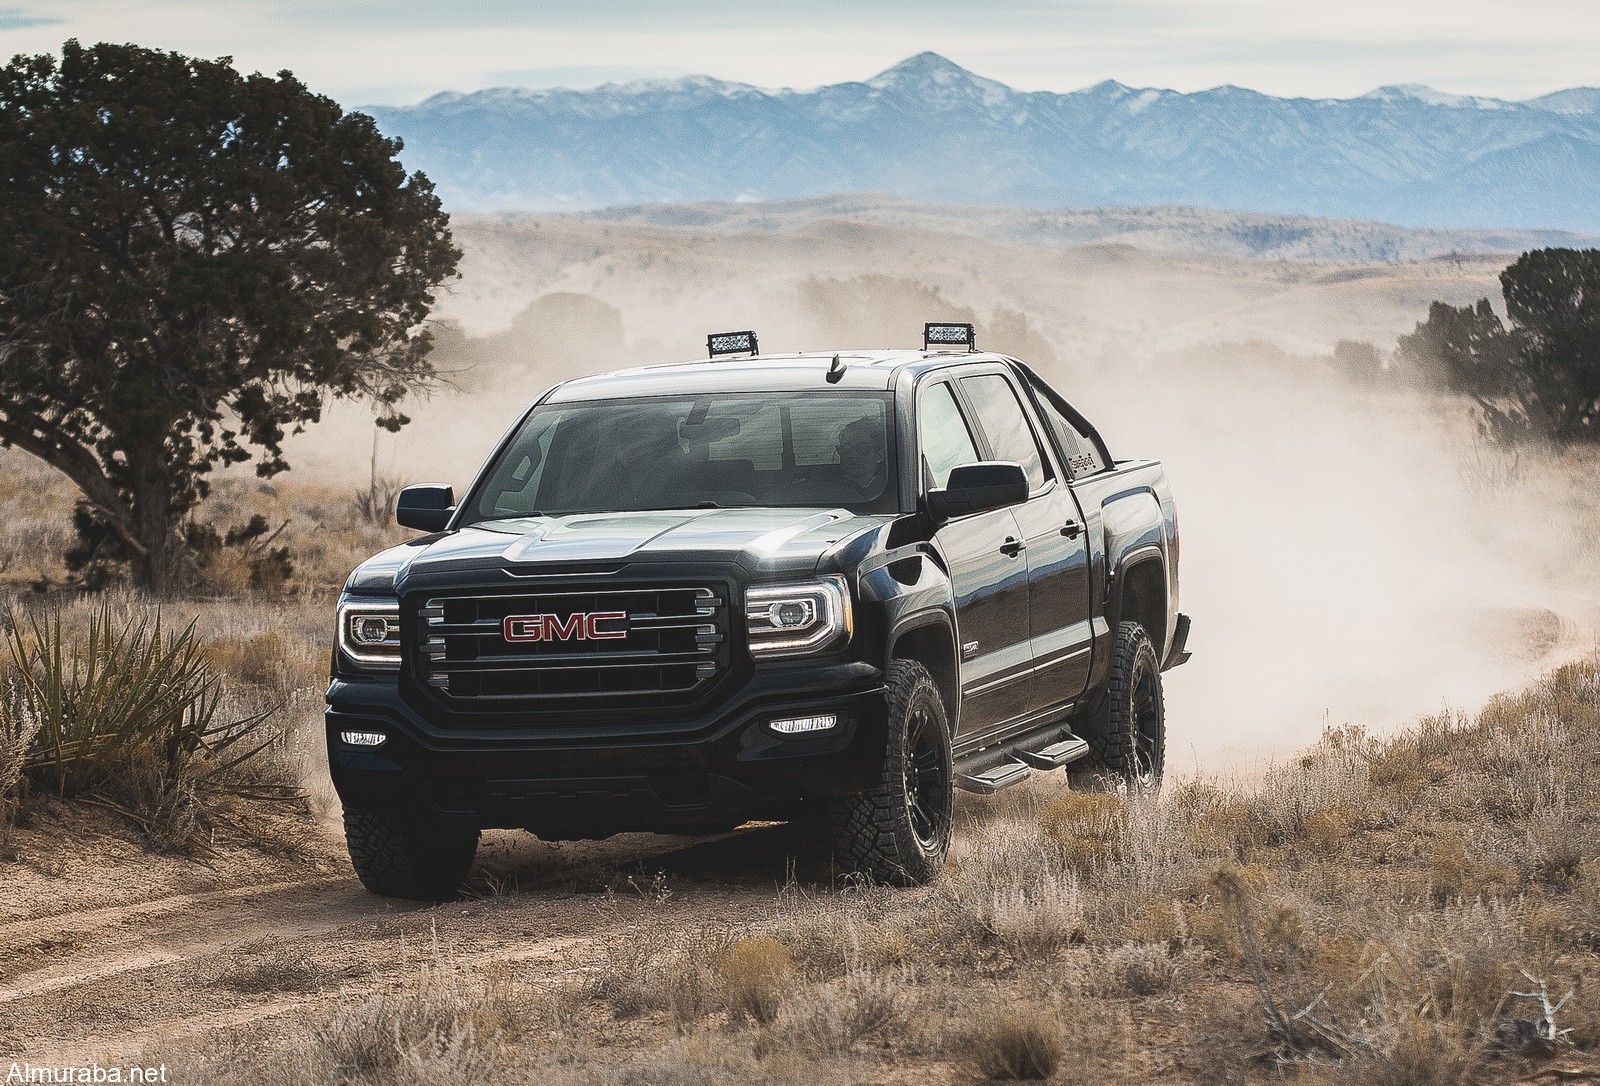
[[927, 778], [899, 831], [1129, 732]]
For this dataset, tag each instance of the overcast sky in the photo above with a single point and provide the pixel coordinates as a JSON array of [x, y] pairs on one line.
[[398, 51]]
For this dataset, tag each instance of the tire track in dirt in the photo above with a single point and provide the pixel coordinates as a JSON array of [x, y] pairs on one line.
[[111, 982]]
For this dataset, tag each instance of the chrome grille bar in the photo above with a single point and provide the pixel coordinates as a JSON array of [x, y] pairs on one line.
[[675, 639]]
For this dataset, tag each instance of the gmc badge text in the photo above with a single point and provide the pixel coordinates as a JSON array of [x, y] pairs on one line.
[[803, 586]]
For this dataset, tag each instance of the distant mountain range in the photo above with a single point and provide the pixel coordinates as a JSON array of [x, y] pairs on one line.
[[928, 129]]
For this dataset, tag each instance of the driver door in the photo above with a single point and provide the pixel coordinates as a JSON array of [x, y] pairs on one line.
[[987, 571]]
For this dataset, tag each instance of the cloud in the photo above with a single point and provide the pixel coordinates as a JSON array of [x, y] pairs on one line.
[[18, 19]]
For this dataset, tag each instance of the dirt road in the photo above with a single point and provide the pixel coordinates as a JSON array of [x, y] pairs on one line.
[[85, 979]]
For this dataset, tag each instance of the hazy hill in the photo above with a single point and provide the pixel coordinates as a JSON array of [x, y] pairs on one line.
[[928, 129], [1260, 235]]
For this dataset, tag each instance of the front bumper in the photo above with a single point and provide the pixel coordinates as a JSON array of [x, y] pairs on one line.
[[576, 779]]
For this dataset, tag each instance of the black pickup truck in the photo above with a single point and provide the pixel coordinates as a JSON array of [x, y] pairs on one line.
[[828, 586]]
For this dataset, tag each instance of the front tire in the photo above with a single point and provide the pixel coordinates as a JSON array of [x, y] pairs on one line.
[[398, 856], [1130, 729], [899, 831]]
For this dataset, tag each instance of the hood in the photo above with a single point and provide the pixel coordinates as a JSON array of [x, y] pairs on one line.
[[760, 539]]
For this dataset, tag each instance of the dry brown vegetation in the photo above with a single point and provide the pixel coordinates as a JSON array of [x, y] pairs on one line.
[[1416, 910]]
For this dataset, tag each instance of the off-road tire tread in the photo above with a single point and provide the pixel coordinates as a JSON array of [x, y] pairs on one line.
[[1115, 748], [395, 856], [872, 831]]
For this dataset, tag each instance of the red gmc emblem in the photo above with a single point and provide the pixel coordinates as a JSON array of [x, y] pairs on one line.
[[580, 626]]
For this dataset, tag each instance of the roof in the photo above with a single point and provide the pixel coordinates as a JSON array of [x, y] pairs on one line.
[[865, 370]]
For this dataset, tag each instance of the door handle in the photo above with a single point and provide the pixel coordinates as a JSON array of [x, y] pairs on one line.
[[1012, 547], [1071, 529]]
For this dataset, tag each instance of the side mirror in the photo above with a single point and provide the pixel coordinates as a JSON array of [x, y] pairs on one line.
[[978, 488], [426, 507]]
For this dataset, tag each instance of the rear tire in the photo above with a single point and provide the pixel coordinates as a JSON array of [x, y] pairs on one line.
[[1129, 731], [398, 856], [899, 831]]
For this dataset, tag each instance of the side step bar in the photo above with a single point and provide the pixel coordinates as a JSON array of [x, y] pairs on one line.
[[995, 778], [1055, 755], [988, 771]]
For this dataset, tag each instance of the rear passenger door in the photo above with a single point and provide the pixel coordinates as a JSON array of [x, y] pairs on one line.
[[1059, 630], [991, 585]]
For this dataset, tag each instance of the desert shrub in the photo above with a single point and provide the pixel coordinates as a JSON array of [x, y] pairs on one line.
[[1036, 919], [838, 1015], [679, 977], [445, 1026], [376, 504], [1139, 969], [1016, 886], [873, 927], [130, 717], [756, 972], [271, 660], [1017, 1045], [1458, 869], [18, 727], [1086, 825], [1333, 776]]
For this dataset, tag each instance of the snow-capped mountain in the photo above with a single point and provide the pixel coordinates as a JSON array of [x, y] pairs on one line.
[[929, 129]]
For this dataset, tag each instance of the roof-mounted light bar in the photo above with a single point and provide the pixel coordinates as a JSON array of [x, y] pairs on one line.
[[940, 336], [721, 343]]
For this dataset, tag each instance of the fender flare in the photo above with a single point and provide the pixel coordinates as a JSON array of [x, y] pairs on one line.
[[1145, 553], [942, 618]]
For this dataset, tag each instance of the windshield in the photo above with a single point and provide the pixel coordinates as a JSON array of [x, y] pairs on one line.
[[759, 449]]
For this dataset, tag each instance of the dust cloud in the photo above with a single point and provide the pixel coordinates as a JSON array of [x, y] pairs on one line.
[[1350, 557], [1352, 553]]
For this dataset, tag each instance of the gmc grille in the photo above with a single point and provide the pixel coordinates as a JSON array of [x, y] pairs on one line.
[[675, 642]]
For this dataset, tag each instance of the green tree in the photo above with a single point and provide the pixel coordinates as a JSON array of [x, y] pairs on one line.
[[1465, 348], [1553, 299], [191, 261], [1537, 375]]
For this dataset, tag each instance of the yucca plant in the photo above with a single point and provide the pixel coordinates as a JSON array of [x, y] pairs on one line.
[[18, 728], [130, 717]]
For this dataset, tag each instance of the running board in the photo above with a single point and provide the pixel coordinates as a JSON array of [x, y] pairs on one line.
[[1055, 755], [989, 770], [995, 778]]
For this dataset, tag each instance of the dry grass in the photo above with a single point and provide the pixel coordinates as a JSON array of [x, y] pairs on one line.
[[445, 1023], [1017, 1046], [271, 966], [1383, 898], [1376, 911], [755, 974]]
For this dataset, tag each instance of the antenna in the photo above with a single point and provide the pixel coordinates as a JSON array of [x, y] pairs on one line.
[[836, 370]]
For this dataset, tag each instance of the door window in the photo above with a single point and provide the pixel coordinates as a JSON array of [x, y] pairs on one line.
[[946, 442], [1000, 415]]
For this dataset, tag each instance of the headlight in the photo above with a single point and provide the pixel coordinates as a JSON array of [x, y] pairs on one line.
[[369, 631], [795, 619]]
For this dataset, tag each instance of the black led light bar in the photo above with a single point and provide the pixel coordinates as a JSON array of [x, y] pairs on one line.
[[720, 343], [936, 336]]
